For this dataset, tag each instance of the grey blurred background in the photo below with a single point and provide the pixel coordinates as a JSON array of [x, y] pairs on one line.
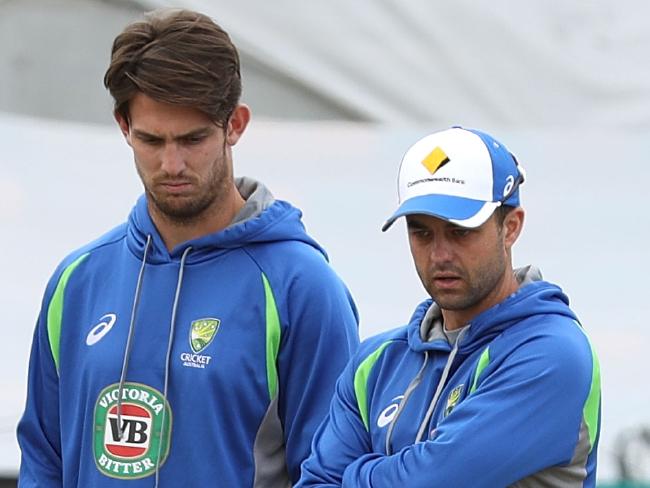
[[339, 90]]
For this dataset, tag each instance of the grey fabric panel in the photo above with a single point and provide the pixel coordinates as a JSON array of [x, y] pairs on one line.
[[431, 326], [571, 476], [453, 335], [258, 198], [528, 274], [269, 452]]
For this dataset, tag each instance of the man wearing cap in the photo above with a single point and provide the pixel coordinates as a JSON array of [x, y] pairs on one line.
[[493, 382]]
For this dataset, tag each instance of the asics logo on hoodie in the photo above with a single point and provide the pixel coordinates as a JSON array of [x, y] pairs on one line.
[[98, 332], [388, 413]]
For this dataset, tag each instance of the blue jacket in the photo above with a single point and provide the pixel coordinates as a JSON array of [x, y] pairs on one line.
[[515, 402], [220, 379]]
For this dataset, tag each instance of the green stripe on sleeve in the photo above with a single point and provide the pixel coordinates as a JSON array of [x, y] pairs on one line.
[[361, 382], [483, 361], [592, 405], [273, 334], [55, 309]]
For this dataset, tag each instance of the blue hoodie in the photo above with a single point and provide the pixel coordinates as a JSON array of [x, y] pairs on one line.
[[210, 365], [513, 401]]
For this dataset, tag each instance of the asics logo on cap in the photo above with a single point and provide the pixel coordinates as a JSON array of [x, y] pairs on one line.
[[510, 183]]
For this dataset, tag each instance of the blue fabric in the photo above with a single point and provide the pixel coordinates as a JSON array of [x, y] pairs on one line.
[[446, 207], [215, 410], [524, 416], [503, 167]]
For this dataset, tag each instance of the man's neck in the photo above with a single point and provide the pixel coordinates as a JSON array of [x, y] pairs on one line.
[[213, 219]]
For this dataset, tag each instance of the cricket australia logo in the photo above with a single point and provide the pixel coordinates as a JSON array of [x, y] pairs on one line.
[[202, 332], [146, 421], [453, 399]]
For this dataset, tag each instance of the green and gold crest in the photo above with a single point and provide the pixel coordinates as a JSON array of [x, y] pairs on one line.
[[453, 399], [202, 331]]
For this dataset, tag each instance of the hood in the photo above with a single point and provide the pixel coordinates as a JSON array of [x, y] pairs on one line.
[[269, 220], [534, 297]]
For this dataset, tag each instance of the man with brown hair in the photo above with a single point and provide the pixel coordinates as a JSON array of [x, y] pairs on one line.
[[198, 343]]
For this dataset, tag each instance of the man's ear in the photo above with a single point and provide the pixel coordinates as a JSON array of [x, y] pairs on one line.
[[512, 226], [124, 126], [237, 123]]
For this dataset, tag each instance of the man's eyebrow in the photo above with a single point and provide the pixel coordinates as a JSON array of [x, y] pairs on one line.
[[414, 224], [200, 132], [451, 225], [145, 134]]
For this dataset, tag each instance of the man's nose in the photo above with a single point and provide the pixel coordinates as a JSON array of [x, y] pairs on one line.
[[173, 160], [441, 249]]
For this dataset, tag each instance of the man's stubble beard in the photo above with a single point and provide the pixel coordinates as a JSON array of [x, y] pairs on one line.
[[480, 284], [188, 210]]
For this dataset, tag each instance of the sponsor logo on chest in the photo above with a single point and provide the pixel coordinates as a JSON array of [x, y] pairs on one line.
[[130, 445]]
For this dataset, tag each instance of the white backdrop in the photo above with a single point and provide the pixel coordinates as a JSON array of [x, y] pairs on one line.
[[519, 64], [525, 64]]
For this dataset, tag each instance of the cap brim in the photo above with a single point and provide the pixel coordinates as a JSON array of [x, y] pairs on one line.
[[457, 210]]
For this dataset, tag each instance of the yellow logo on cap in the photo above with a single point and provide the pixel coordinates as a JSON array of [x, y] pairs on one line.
[[435, 160]]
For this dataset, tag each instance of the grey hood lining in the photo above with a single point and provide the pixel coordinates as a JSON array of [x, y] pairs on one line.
[[258, 198]]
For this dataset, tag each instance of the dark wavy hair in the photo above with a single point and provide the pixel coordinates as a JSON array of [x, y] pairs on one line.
[[178, 57]]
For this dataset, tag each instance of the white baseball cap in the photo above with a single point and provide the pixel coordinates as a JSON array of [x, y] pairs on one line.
[[459, 175]]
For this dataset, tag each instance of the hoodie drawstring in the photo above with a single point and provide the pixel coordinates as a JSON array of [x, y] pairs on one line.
[[439, 388], [127, 349], [407, 393], [414, 384], [170, 340], [129, 343]]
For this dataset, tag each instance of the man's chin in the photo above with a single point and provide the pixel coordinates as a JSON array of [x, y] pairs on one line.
[[449, 300], [179, 209]]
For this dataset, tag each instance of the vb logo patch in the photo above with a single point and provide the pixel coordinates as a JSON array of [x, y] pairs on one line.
[[145, 421], [453, 399]]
